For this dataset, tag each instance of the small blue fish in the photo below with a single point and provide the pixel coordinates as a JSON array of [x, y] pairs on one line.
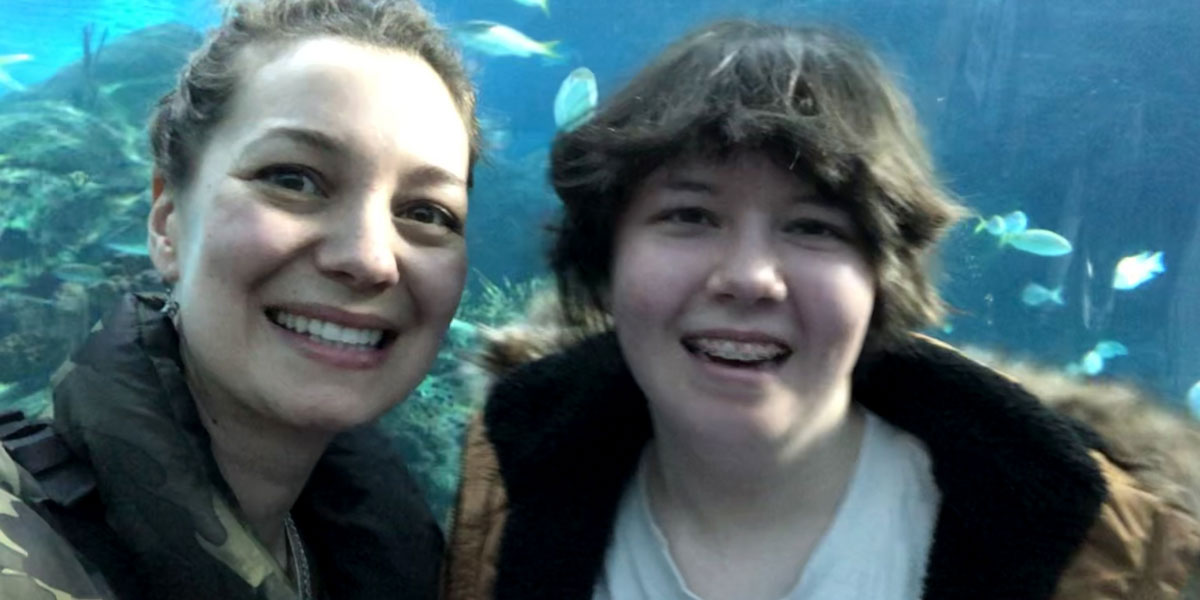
[[998, 225], [1137, 269], [1036, 295], [993, 225], [79, 273], [542, 4], [1041, 242], [463, 329], [576, 99], [130, 249], [1193, 400], [495, 39], [7, 80], [23, 298], [1110, 348], [496, 132], [1092, 363], [1015, 222], [128, 238]]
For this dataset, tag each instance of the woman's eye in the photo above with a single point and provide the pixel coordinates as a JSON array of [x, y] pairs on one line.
[[430, 214], [292, 178]]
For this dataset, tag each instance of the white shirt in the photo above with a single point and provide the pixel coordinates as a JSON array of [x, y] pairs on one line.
[[875, 549]]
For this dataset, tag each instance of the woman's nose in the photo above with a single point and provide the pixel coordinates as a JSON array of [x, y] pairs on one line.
[[748, 272], [360, 249]]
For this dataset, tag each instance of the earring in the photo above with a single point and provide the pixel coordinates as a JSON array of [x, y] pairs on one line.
[[171, 306]]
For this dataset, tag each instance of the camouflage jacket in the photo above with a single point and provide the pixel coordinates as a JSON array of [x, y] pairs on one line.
[[130, 504]]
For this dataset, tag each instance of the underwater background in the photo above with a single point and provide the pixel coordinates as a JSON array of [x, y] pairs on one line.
[[1071, 127]]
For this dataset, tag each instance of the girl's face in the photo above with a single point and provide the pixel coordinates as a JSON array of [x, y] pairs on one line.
[[740, 297], [318, 255]]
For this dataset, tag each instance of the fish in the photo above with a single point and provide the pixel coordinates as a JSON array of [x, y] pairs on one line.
[[496, 39], [542, 4], [19, 298], [1134, 270], [998, 225], [1092, 363], [463, 329], [1110, 348], [129, 238], [130, 249], [1015, 222], [7, 80], [1041, 242], [79, 273], [1036, 294], [1193, 400], [496, 132], [993, 225], [575, 101]]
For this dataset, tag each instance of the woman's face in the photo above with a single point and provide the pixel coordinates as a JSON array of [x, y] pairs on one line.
[[317, 255], [740, 297]]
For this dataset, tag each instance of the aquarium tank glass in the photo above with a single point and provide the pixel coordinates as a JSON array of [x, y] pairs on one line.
[[1070, 128]]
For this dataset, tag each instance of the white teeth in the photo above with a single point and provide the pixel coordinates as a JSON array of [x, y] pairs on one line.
[[325, 331], [743, 351]]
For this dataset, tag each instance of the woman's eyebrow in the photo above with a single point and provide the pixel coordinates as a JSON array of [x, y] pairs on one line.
[[315, 139], [431, 175]]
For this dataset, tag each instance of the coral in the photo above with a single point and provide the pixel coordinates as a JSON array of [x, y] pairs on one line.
[[498, 304], [27, 353]]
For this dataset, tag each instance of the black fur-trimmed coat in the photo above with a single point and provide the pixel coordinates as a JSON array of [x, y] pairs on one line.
[[1034, 504]]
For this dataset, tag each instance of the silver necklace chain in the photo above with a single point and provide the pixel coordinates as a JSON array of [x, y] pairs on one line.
[[299, 559]]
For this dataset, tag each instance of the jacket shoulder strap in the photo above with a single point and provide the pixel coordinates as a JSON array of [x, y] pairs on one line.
[[35, 446], [69, 499]]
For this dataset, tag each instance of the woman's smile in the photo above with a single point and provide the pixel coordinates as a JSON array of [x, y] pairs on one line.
[[333, 342]]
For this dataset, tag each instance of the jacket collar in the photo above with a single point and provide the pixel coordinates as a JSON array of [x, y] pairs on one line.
[[123, 405], [1019, 490]]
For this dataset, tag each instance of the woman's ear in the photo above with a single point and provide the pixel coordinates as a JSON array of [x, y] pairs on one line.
[[163, 229]]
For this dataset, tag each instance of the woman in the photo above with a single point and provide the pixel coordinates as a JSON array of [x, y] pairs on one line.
[[752, 218], [309, 196]]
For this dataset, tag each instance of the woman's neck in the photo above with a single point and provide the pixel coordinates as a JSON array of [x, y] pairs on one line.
[[265, 464]]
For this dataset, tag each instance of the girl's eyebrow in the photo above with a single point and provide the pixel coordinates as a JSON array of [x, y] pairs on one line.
[[685, 183]]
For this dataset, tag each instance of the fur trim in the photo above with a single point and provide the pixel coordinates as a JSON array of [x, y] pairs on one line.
[[1158, 446], [1019, 490]]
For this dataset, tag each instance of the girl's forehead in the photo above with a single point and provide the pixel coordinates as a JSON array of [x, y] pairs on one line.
[[748, 168]]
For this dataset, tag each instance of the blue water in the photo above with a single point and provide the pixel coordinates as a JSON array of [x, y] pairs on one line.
[[1081, 113]]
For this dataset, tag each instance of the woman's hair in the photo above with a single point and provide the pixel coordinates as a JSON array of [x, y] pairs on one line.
[[816, 100], [186, 116]]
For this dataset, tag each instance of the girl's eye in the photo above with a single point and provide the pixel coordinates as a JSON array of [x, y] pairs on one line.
[[293, 178], [688, 215], [431, 214]]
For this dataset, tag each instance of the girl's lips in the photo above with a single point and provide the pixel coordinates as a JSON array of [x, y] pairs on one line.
[[735, 379], [355, 358]]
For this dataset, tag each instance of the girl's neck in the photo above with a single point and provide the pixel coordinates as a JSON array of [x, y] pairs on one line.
[[761, 483], [742, 522]]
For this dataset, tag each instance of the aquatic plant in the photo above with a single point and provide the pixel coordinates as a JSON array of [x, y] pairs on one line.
[[90, 92], [429, 426]]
